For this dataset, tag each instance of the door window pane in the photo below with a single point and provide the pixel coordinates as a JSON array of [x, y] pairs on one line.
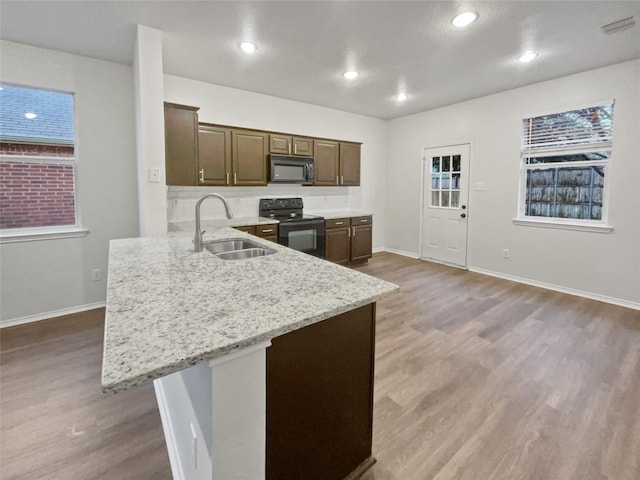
[[446, 181], [445, 198], [435, 164], [435, 182], [456, 163], [435, 199], [455, 199], [446, 163]]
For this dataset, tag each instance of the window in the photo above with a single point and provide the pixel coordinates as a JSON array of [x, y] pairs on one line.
[[37, 161], [565, 157]]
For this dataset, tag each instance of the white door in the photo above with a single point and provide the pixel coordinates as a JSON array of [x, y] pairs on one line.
[[444, 204]]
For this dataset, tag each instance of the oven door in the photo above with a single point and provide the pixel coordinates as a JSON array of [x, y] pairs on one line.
[[306, 236]]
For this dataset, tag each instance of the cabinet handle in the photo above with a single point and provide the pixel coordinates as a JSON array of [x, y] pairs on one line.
[[349, 233], [235, 178], [339, 223], [354, 232], [289, 148], [267, 230], [295, 149], [202, 175], [337, 180], [363, 221], [342, 180], [227, 178]]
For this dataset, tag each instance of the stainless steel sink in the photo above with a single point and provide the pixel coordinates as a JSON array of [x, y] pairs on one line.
[[238, 248], [247, 253]]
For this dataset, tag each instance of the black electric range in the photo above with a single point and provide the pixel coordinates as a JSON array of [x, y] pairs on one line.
[[297, 230]]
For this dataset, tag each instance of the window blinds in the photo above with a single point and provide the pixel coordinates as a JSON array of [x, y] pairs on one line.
[[576, 130]]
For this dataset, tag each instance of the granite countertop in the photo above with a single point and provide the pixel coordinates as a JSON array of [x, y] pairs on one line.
[[169, 308], [329, 215]]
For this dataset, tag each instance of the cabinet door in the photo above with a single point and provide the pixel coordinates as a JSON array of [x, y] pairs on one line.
[[214, 155], [361, 242], [181, 144], [302, 146], [280, 144], [249, 157], [327, 157], [349, 164], [338, 244]]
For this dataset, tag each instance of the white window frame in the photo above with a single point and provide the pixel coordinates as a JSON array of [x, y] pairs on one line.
[[601, 225], [27, 234], [11, 235]]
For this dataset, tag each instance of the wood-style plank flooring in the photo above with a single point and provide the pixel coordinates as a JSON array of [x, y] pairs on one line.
[[476, 378]]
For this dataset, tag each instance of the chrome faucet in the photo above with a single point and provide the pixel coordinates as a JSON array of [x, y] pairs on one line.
[[197, 241]]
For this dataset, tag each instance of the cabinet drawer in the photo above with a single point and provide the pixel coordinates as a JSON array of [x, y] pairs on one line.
[[269, 230], [355, 221], [248, 229], [336, 223]]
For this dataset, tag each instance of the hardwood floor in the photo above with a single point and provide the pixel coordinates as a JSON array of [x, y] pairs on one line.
[[476, 378], [55, 423]]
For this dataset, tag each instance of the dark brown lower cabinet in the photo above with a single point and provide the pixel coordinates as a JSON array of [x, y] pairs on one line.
[[320, 398], [267, 231], [349, 240]]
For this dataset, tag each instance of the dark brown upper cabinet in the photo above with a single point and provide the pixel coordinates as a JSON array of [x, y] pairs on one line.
[[327, 157], [249, 157], [181, 145], [350, 164], [289, 145], [337, 163], [214, 155]]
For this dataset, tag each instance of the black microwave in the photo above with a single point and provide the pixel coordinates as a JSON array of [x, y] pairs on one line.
[[288, 169]]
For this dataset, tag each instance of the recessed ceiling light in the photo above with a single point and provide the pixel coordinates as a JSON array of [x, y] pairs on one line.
[[464, 19], [248, 47], [350, 75], [402, 97], [30, 115], [527, 57]]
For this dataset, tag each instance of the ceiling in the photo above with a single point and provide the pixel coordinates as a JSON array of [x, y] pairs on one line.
[[304, 47]]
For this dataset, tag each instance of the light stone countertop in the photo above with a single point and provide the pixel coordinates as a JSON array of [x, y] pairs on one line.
[[329, 215], [169, 308]]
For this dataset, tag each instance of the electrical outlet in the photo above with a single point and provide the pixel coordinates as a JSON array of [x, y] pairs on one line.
[[506, 253], [96, 274]]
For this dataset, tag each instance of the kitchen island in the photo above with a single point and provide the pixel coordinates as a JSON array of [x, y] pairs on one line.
[[201, 328]]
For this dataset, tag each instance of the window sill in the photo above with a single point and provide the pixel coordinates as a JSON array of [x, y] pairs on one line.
[[583, 227], [35, 234]]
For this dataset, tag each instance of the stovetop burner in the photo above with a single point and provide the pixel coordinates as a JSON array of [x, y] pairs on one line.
[[285, 210]]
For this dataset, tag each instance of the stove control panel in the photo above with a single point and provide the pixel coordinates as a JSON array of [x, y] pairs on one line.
[[280, 203]]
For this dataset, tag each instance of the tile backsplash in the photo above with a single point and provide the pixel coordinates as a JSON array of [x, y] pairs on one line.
[[243, 201]]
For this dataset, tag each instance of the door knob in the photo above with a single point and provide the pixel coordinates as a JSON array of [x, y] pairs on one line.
[[463, 215]]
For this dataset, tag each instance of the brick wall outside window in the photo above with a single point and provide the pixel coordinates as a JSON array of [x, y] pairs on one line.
[[36, 195]]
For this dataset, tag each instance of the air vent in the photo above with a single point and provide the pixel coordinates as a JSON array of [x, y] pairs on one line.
[[618, 26]]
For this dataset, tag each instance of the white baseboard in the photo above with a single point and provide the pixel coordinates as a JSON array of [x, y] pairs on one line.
[[11, 322], [177, 472], [559, 288], [399, 252]]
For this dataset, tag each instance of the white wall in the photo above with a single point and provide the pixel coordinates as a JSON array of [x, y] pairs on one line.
[[606, 265], [49, 275], [229, 106]]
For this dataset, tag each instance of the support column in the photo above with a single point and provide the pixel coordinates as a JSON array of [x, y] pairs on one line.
[[149, 110]]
